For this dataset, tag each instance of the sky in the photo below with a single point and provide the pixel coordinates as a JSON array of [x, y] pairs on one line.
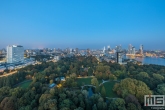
[[82, 23]]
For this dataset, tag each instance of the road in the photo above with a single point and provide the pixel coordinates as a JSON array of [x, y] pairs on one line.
[[7, 74]]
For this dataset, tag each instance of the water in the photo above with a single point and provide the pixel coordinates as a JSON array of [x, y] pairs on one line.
[[151, 60], [90, 92]]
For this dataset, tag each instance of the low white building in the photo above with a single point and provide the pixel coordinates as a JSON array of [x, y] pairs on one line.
[[2, 68], [57, 58], [11, 67]]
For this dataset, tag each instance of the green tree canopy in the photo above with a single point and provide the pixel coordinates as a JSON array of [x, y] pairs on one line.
[[117, 104], [160, 90], [132, 86], [94, 81], [103, 92]]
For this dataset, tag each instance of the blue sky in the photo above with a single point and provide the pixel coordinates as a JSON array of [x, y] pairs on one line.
[[82, 23]]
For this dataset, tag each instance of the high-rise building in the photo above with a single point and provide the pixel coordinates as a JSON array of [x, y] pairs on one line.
[[104, 49], [108, 48], [130, 49], [68, 50], [133, 50], [141, 49], [54, 50], [119, 48], [76, 51], [119, 57], [15, 54], [88, 52]]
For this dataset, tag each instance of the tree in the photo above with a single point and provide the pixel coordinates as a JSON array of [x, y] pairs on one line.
[[142, 75], [90, 71], [131, 106], [132, 86], [117, 104], [51, 104], [51, 81], [97, 89], [103, 92], [85, 93], [158, 77], [94, 81], [65, 103], [44, 98], [112, 77], [94, 98], [17, 92], [118, 73], [82, 104], [132, 99], [79, 108], [101, 105], [73, 76], [160, 90], [8, 103], [94, 107]]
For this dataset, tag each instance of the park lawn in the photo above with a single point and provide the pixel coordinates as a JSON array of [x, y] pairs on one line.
[[109, 89], [83, 81], [86, 81], [24, 85]]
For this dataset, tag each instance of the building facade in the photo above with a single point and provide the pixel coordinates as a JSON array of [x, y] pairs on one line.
[[119, 57], [15, 54], [141, 49]]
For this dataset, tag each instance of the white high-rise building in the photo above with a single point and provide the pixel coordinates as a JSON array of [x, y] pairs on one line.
[[133, 50], [104, 49], [15, 54]]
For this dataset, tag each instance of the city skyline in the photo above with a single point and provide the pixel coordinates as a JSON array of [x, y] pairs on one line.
[[83, 24]]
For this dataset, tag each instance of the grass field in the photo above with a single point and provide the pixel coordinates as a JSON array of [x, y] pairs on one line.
[[24, 84], [82, 81], [109, 89]]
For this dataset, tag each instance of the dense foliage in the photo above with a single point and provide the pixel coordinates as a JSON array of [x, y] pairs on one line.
[[132, 83]]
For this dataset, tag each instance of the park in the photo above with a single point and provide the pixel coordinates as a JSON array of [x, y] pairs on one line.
[[107, 84]]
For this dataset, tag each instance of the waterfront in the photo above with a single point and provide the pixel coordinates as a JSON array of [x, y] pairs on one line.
[[150, 60]]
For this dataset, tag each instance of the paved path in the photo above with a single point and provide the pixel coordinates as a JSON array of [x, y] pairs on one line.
[[103, 81], [7, 74]]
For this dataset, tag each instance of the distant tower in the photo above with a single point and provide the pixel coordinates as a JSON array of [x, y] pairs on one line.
[[88, 52], [133, 50], [130, 49], [68, 50], [119, 48], [76, 50], [54, 50], [141, 49], [104, 49], [108, 48], [119, 57]]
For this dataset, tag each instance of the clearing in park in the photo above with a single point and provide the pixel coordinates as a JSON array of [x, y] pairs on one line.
[[24, 84], [108, 86]]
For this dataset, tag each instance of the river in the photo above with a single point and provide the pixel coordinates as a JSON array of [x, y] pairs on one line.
[[151, 60]]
